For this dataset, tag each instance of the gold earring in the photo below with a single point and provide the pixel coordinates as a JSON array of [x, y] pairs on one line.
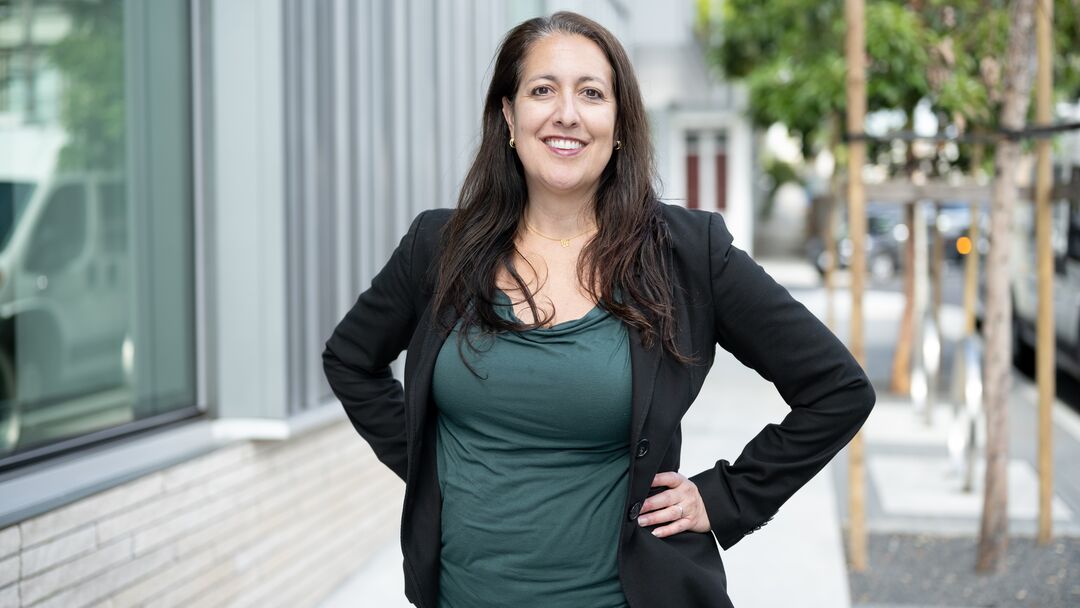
[[618, 145], [512, 142]]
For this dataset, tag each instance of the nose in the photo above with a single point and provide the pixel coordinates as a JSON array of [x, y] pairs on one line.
[[566, 114]]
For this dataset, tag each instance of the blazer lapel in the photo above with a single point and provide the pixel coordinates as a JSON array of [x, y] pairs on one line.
[[427, 341], [644, 363]]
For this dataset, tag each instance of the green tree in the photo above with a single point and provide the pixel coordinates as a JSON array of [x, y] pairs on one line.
[[1018, 76], [91, 60], [790, 53]]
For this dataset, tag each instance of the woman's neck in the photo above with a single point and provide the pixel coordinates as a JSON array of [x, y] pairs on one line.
[[559, 216]]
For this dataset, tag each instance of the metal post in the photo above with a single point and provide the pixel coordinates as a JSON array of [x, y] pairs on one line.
[[920, 382]]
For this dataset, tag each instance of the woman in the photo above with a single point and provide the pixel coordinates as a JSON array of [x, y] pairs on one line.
[[558, 324]]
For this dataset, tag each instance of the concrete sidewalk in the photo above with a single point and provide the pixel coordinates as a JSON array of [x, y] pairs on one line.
[[910, 487], [803, 542]]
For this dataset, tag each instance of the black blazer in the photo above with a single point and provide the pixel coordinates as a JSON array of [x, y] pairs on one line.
[[721, 297]]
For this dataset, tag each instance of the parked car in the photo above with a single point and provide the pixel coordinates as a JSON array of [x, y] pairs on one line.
[[884, 254], [1065, 244], [64, 291]]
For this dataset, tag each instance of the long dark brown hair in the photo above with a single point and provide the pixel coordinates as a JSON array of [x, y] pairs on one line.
[[626, 254]]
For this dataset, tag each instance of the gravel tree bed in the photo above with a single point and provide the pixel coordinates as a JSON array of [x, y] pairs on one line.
[[908, 570]]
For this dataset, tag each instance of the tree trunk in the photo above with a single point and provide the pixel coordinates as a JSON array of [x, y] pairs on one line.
[[905, 338], [994, 527], [832, 220], [901, 369]]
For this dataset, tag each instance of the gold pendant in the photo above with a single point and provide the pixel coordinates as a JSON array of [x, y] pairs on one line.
[[565, 243]]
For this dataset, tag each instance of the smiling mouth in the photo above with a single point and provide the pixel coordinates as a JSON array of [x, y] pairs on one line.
[[561, 143]]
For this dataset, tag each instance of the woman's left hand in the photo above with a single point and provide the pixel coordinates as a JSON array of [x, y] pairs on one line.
[[680, 504]]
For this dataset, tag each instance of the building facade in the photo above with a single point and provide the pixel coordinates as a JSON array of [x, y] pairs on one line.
[[192, 193]]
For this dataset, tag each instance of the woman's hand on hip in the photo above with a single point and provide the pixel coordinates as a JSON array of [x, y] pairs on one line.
[[680, 504]]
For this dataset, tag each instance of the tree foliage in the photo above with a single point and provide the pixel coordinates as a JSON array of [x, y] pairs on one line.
[[790, 53], [91, 60]]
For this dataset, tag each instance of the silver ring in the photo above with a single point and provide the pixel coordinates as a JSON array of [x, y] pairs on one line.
[[682, 512]]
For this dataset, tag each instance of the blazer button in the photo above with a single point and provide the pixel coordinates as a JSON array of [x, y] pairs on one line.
[[642, 448], [635, 510]]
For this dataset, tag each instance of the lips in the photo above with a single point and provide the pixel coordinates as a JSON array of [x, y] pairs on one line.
[[564, 146]]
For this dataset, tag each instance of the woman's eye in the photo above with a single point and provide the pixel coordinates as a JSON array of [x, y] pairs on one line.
[[593, 94], [541, 90]]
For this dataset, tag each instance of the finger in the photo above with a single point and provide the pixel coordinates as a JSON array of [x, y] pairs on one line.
[[679, 525], [660, 500], [670, 479], [672, 513]]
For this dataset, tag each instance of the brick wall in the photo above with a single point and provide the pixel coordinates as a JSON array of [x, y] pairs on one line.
[[252, 524]]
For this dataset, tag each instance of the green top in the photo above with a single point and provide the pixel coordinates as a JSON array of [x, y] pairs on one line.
[[533, 459]]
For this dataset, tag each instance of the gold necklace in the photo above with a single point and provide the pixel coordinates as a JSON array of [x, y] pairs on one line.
[[564, 242]]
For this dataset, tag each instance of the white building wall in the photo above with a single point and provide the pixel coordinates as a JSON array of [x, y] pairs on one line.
[[253, 524]]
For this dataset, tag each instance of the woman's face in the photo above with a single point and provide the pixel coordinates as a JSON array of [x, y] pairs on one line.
[[563, 116]]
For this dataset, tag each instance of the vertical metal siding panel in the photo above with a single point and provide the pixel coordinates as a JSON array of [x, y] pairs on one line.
[[478, 62], [307, 205], [345, 165], [381, 143], [400, 136], [421, 103], [323, 261], [368, 97], [294, 184], [464, 123], [360, 145], [444, 107]]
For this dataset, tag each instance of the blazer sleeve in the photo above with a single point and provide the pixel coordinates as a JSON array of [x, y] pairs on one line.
[[830, 397], [358, 355]]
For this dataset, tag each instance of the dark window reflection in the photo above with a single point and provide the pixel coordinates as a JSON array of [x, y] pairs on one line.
[[60, 233], [95, 322]]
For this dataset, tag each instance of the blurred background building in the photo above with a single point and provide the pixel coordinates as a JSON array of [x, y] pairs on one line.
[[192, 193]]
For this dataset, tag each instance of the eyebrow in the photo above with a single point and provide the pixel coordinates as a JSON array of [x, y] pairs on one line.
[[579, 80]]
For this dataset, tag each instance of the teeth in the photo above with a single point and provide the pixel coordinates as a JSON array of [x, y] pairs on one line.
[[563, 144]]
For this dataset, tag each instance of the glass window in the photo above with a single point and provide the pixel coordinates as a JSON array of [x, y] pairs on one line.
[[112, 204], [13, 197], [96, 277], [59, 233]]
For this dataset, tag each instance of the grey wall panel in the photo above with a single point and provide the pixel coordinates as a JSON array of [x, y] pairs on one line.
[[466, 102], [443, 94], [424, 98], [345, 165], [400, 135], [373, 91], [249, 207], [296, 186], [362, 256], [382, 108], [322, 233]]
